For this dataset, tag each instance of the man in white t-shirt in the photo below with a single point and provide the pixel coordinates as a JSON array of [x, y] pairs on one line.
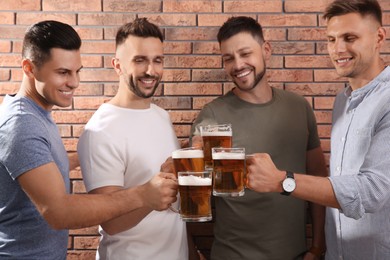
[[126, 142]]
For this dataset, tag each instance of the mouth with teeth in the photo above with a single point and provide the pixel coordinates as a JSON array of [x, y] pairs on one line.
[[66, 93], [242, 73], [343, 61]]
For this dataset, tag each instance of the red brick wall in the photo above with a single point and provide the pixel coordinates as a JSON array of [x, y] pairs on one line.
[[193, 68]]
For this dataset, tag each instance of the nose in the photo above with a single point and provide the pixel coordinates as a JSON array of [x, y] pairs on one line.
[[74, 80], [150, 69], [238, 63], [339, 46]]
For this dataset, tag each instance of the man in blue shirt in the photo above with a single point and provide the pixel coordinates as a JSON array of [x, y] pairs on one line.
[[36, 208], [358, 189]]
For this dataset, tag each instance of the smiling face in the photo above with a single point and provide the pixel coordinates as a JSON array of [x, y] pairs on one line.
[[245, 60], [140, 64], [353, 45], [56, 80]]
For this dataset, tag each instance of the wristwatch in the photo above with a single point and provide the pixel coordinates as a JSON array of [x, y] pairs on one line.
[[288, 184]]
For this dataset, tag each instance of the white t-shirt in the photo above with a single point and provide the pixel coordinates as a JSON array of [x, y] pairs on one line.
[[126, 147]]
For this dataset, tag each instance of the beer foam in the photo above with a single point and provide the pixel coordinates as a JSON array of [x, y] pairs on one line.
[[183, 153], [194, 181], [228, 156], [217, 133]]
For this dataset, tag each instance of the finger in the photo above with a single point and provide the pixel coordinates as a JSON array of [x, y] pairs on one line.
[[168, 176]]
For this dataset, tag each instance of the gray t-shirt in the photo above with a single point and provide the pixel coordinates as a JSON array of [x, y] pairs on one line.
[[263, 226], [29, 138]]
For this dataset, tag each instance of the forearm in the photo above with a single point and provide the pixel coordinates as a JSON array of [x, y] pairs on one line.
[[318, 223], [126, 221], [73, 160]]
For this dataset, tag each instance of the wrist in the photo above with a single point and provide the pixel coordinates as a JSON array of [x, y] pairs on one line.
[[318, 252]]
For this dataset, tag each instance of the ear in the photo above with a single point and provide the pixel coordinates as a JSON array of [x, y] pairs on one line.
[[27, 67], [116, 64], [267, 50], [381, 36]]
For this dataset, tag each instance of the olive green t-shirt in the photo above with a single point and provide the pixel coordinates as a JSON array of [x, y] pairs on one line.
[[263, 225]]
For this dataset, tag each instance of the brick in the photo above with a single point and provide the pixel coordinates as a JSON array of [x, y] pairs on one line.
[[217, 75], [34, 17], [192, 34], [276, 62], [78, 187], [98, 47], [110, 89], [182, 130], [90, 33], [85, 231], [292, 48], [173, 102], [5, 46], [16, 74], [215, 19], [176, 75], [298, 6], [86, 89], [92, 61], [324, 131], [21, 5], [206, 48], [10, 60], [14, 32], [98, 75], [195, 89], [275, 34], [87, 242], [323, 102], [174, 6], [65, 130], [187, 116], [89, 102], [17, 45], [70, 144], [325, 145], [71, 117], [9, 87], [132, 6], [290, 75], [5, 74], [204, 61], [110, 33], [105, 19], [308, 62], [171, 19], [7, 18], [81, 255], [77, 130], [200, 102], [306, 34], [323, 117], [329, 75], [107, 59], [74, 5], [296, 20], [264, 6], [75, 173], [322, 48], [177, 48], [306, 89]]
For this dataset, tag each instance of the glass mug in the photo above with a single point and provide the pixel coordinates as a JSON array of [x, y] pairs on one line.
[[229, 171], [188, 159], [215, 136], [195, 196]]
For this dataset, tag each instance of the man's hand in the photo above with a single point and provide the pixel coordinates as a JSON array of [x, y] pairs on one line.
[[262, 175], [167, 166], [160, 192], [197, 142]]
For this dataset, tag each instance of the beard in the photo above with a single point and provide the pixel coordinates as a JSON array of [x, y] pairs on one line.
[[258, 77], [133, 86]]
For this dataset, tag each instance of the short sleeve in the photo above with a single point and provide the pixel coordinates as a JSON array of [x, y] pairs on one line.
[[313, 140], [102, 163], [25, 145]]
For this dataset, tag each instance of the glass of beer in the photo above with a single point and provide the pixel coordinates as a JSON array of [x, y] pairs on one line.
[[195, 196], [229, 171], [215, 136], [188, 159]]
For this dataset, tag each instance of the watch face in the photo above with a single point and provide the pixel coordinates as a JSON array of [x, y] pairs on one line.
[[289, 184]]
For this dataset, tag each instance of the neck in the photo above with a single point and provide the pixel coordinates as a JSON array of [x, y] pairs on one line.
[[366, 77], [127, 99], [27, 89], [261, 94]]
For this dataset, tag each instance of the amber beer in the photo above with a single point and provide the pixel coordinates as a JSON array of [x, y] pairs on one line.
[[215, 136], [195, 196], [188, 159], [229, 171]]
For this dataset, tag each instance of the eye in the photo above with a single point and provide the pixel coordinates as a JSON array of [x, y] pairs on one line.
[[350, 38], [245, 54], [139, 60], [331, 39], [227, 59], [159, 60]]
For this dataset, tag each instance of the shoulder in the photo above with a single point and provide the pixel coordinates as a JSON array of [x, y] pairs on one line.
[[289, 96]]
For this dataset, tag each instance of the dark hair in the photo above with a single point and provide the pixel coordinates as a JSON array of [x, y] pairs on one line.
[[140, 27], [41, 37], [235, 25], [362, 7]]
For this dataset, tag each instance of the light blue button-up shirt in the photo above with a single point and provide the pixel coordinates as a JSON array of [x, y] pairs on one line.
[[360, 173]]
